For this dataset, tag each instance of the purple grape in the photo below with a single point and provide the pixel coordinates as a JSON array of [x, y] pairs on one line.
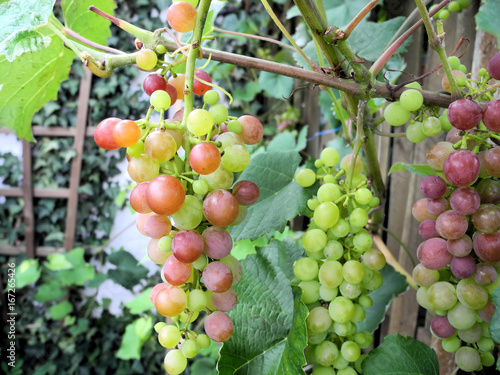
[[451, 225], [493, 67], [463, 267], [489, 191], [437, 206], [433, 187], [427, 229], [487, 246], [491, 162], [464, 114], [485, 274], [460, 247], [441, 327], [487, 218], [465, 201], [461, 167], [491, 115]]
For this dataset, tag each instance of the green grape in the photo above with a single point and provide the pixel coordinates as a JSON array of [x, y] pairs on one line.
[[486, 344], [451, 344], [341, 363], [467, 358], [197, 301], [220, 179], [353, 271], [161, 49], [146, 59], [306, 269], [485, 328], [186, 318], [192, 2], [200, 187], [330, 156], [364, 339], [333, 250], [175, 362], [211, 97], [330, 274], [487, 359], [219, 113], [358, 217], [414, 133], [326, 353], [234, 126], [396, 115], [431, 126], [482, 72], [464, 3], [329, 179], [327, 294], [169, 336], [189, 348], [454, 6], [359, 314], [363, 241], [343, 329], [350, 351], [470, 335], [423, 298], [318, 320], [414, 85], [309, 352], [363, 196], [443, 14], [349, 290], [160, 100], [442, 295], [136, 150], [340, 229], [341, 309], [159, 326], [312, 204], [471, 294], [310, 291], [463, 69], [461, 317], [411, 100], [190, 215], [318, 163], [203, 341], [329, 192], [316, 338], [165, 244], [326, 215], [347, 371], [446, 126], [365, 301], [454, 62], [200, 263], [321, 370], [374, 259], [305, 177], [375, 202], [235, 158], [314, 240], [199, 121], [359, 362], [375, 282]]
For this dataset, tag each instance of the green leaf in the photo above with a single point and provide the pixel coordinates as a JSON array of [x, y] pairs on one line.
[[60, 310], [50, 291], [487, 18], [248, 93], [22, 42], [269, 320], [131, 345], [420, 169], [281, 199], [203, 365], [400, 355], [140, 303], [17, 16], [78, 17], [495, 319], [81, 327], [27, 273], [287, 141], [57, 262], [128, 272], [393, 284], [30, 81], [81, 271], [98, 280], [275, 85]]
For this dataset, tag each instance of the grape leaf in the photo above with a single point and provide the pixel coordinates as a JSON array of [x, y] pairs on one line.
[[400, 355], [28, 272], [393, 284], [128, 272], [494, 327], [60, 310], [420, 169], [281, 199], [22, 42], [269, 320], [78, 17], [132, 342], [287, 140], [275, 85], [18, 18], [29, 82], [487, 18]]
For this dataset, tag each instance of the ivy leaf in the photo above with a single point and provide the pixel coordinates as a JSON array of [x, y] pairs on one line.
[[487, 18], [393, 284], [57, 262], [266, 299], [50, 291], [131, 345], [30, 81], [60, 310], [400, 355], [140, 303], [18, 17], [98, 280], [275, 85], [248, 93], [27, 273], [128, 272], [281, 199], [80, 272], [78, 18], [495, 319], [420, 169]]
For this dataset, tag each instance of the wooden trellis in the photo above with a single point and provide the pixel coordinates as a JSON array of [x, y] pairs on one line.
[[27, 192]]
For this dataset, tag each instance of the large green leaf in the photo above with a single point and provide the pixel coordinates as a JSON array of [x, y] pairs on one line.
[[269, 320], [19, 19], [275, 85], [487, 17], [80, 273], [393, 284], [400, 355], [287, 140], [128, 272], [281, 199], [31, 81], [78, 17], [495, 319], [28, 272]]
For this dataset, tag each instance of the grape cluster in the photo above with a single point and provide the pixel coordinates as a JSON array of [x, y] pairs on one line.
[[341, 266], [460, 224], [453, 6], [186, 198]]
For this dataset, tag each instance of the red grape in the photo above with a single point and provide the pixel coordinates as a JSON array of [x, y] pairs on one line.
[[465, 201], [451, 225], [461, 167], [485, 274], [487, 246], [218, 242], [493, 66], [433, 254], [433, 187], [463, 267], [460, 247], [103, 134], [464, 114], [220, 208], [491, 161], [437, 206], [153, 82], [199, 88], [487, 218], [427, 229], [489, 191], [187, 246], [246, 192], [138, 198], [218, 326], [175, 271], [204, 158], [225, 301], [165, 195], [441, 327]]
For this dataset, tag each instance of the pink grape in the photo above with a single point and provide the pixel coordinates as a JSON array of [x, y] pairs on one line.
[[218, 242], [220, 208], [157, 226], [155, 254], [451, 225], [441, 327], [461, 167], [465, 201], [433, 187], [252, 129], [437, 206], [485, 274], [487, 246], [487, 218], [246, 192], [433, 254], [187, 246], [460, 247], [491, 161], [138, 198], [463, 267], [437, 154], [154, 292], [419, 210], [217, 277], [225, 301], [175, 271], [427, 229], [464, 114], [218, 326]]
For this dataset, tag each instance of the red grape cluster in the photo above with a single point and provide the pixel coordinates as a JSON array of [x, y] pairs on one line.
[[186, 197], [341, 267]]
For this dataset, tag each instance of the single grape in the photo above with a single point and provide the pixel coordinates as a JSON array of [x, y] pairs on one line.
[[431, 126], [464, 114], [160, 100], [411, 100], [146, 59], [493, 66], [461, 167], [415, 133], [181, 16], [396, 115], [218, 326]]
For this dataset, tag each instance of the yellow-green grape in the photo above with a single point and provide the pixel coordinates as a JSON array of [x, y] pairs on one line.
[[454, 62], [443, 14], [169, 336], [159, 326], [136, 150], [197, 300], [333, 249], [396, 115], [306, 269], [341, 309], [146, 59], [454, 6], [190, 215], [350, 351], [312, 203], [330, 156], [345, 163], [211, 97], [431, 126], [310, 291], [203, 341], [330, 274], [219, 113], [411, 100], [236, 158], [175, 362], [446, 125], [305, 177], [353, 271], [160, 100], [363, 196], [314, 240], [161, 49], [189, 348], [200, 187], [200, 263], [462, 68], [329, 192], [329, 179], [199, 121], [326, 215], [233, 125], [414, 85], [415, 133]]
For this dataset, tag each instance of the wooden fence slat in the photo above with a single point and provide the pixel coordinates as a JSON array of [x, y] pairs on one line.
[[62, 193], [39, 250], [28, 213], [52, 131], [76, 163]]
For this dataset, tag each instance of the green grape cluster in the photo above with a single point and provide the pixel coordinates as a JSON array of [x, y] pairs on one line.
[[341, 267], [455, 6]]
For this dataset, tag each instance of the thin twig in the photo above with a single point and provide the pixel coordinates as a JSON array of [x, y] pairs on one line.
[[392, 135], [359, 17], [90, 43], [258, 37]]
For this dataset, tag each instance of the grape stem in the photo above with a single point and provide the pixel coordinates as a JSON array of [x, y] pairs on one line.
[[488, 89], [359, 17], [392, 135], [251, 36]]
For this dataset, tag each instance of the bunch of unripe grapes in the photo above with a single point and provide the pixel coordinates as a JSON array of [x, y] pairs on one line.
[[186, 198], [460, 224], [341, 266], [451, 7]]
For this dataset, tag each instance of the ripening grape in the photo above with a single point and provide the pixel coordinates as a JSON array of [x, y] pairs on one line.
[[464, 114], [160, 145], [204, 158], [181, 16], [252, 129], [103, 134], [171, 301], [178, 82], [153, 82], [165, 195], [146, 59], [494, 66], [461, 167], [411, 100], [396, 115]]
